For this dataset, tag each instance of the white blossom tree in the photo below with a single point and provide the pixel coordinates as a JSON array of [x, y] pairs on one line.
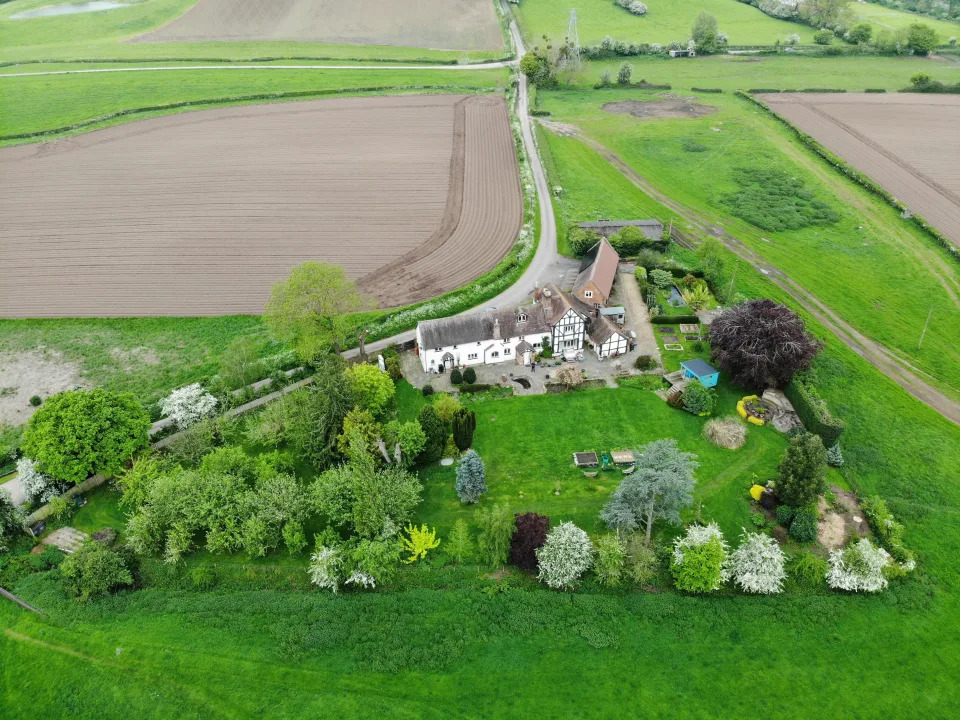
[[35, 485], [188, 405], [565, 556], [700, 563], [757, 566], [858, 568], [326, 568]]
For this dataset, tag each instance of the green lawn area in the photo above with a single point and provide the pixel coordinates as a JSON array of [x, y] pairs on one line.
[[847, 265], [32, 104], [665, 21], [101, 35], [885, 18]]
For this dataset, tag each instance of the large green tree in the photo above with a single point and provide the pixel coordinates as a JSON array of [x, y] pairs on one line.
[[94, 570], [371, 388], [921, 38], [802, 473], [80, 433], [311, 308], [704, 32]]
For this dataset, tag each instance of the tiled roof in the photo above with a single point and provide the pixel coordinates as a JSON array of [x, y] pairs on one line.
[[599, 266]]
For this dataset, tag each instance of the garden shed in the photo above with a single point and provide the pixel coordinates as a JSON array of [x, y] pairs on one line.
[[702, 371]]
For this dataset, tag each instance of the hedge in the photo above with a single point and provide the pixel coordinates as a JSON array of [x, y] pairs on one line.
[[854, 174], [473, 388], [707, 90], [671, 319], [540, 113], [813, 411]]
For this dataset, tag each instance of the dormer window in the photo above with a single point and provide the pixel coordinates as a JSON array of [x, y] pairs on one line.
[[588, 294], [522, 318]]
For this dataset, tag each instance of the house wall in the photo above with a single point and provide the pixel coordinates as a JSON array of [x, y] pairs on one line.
[[486, 351], [616, 344], [569, 332], [597, 296]]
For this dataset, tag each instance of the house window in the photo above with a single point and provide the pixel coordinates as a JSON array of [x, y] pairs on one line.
[[471, 356], [596, 305], [495, 354], [569, 343], [506, 351], [438, 349], [521, 318], [454, 347], [537, 345], [588, 294]]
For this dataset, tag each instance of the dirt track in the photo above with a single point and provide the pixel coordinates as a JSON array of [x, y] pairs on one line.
[[906, 142], [437, 24], [199, 213]]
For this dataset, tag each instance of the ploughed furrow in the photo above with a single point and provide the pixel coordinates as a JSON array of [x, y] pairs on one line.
[[200, 213]]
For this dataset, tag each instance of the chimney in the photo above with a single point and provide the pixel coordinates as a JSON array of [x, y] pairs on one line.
[[496, 328]]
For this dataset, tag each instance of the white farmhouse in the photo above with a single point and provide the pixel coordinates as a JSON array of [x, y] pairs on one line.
[[516, 335]]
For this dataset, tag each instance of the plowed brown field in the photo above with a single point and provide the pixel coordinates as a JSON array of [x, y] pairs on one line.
[[909, 143], [437, 24], [200, 213]]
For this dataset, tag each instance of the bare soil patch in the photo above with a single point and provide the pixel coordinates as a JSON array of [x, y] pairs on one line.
[[437, 24], [200, 213], [837, 525], [25, 374], [657, 109], [920, 167]]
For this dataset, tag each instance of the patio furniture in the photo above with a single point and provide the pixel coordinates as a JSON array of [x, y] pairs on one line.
[[629, 470], [589, 474], [607, 462], [622, 457], [585, 459]]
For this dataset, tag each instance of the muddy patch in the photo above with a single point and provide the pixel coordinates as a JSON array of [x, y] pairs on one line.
[[657, 109], [842, 521], [25, 374]]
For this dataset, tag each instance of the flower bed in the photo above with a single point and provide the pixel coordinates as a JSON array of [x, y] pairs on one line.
[[752, 409]]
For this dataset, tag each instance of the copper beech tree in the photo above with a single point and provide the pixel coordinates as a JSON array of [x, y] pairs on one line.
[[761, 344]]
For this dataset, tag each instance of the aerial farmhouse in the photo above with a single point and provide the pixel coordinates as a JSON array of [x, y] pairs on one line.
[[598, 270], [554, 320]]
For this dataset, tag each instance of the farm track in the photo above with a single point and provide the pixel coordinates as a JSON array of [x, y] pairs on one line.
[[199, 213], [919, 166], [878, 355]]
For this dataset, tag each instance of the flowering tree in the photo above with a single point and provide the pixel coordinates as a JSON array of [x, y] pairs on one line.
[[757, 565], [858, 568], [188, 405], [699, 561], [471, 477], [565, 556], [35, 485], [326, 568]]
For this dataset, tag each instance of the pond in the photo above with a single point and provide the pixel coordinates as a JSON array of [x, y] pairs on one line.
[[70, 9], [676, 299]]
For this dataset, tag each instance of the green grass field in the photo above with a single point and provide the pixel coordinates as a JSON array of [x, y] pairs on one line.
[[859, 250], [670, 20], [102, 35], [32, 104]]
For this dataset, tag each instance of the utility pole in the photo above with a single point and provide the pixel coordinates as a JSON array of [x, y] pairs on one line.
[[924, 332]]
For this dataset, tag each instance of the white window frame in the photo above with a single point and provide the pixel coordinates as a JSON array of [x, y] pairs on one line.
[[495, 353], [588, 293], [471, 356], [506, 351], [522, 318]]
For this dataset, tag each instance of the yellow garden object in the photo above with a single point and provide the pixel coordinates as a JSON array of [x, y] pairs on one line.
[[756, 492]]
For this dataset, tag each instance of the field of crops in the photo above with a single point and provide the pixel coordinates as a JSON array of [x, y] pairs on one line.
[[198, 214], [901, 141]]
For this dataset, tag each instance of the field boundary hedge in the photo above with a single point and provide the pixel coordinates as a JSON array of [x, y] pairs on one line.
[[813, 411], [233, 100], [852, 173]]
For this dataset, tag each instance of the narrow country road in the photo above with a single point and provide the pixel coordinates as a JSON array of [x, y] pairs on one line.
[[546, 263], [878, 355]]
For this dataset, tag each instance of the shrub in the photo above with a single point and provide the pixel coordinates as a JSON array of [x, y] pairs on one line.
[[564, 557], [801, 475], [698, 399], [94, 570], [625, 73], [793, 39], [661, 278], [812, 409], [36, 400], [823, 37], [80, 433], [446, 406], [326, 568], [495, 525], [460, 543], [202, 577], [427, 390], [456, 377], [699, 560], [466, 389], [835, 456], [726, 432], [644, 362], [418, 542], [435, 431], [674, 319], [642, 563], [610, 560], [888, 530], [193, 443], [629, 241], [471, 478], [11, 519], [470, 376], [697, 346], [858, 568], [36, 486], [757, 565], [529, 535], [188, 405], [803, 528], [785, 514], [412, 440], [774, 200], [464, 425], [921, 38], [808, 569], [640, 274]]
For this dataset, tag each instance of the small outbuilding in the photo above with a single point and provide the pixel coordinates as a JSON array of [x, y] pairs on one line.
[[702, 371]]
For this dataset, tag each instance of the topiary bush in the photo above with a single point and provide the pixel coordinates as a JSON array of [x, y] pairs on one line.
[[427, 390], [470, 376], [803, 529], [456, 377], [698, 399], [36, 400]]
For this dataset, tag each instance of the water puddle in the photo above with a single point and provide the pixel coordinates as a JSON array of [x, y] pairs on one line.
[[69, 9]]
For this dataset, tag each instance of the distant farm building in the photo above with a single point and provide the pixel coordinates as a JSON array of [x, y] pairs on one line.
[[653, 229], [598, 270]]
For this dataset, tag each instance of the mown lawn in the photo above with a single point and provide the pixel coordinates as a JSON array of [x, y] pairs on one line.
[[101, 35], [879, 273]]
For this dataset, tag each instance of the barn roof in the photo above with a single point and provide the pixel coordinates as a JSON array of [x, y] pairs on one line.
[[653, 229], [599, 266]]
